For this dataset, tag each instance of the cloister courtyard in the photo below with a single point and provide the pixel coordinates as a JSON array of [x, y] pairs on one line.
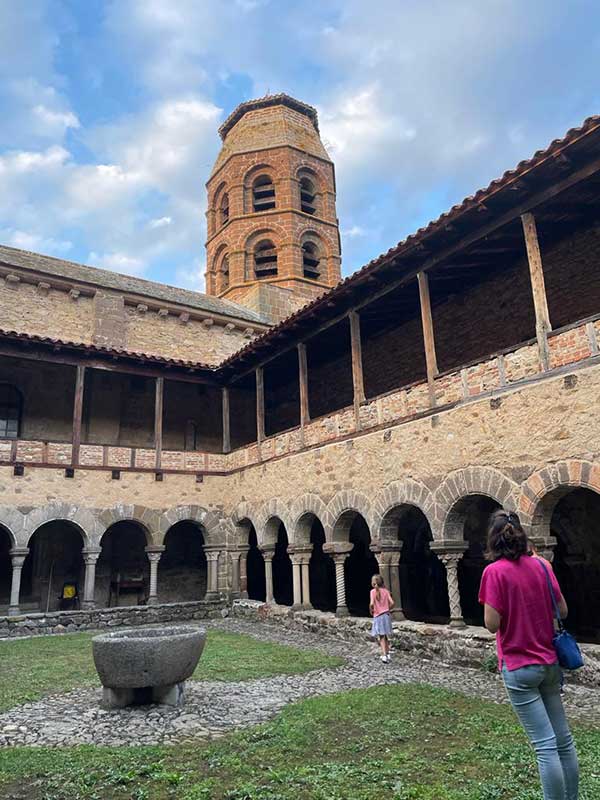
[[272, 714]]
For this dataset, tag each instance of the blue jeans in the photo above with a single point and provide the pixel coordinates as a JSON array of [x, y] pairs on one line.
[[534, 692]]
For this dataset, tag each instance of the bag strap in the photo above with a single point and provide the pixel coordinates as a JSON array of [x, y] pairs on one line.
[[552, 595]]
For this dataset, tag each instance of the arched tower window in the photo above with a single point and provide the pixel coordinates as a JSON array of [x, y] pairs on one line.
[[263, 194], [311, 260], [224, 272], [265, 259], [224, 210], [11, 407], [307, 196]]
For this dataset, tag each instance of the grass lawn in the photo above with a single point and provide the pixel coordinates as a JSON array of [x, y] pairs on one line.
[[32, 668], [398, 742]]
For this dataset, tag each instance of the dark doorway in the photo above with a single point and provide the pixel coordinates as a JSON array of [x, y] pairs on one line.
[[54, 560], [321, 570], [282, 570], [182, 569], [359, 568], [255, 569], [123, 570]]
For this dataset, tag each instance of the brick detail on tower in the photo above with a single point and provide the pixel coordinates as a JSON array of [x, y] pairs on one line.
[[273, 239]]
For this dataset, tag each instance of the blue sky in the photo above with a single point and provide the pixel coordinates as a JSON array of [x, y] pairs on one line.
[[110, 111]]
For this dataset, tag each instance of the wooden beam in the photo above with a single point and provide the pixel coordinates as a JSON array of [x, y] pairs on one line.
[[77, 413], [260, 405], [427, 321], [357, 366], [303, 380], [538, 287], [158, 419], [226, 422]]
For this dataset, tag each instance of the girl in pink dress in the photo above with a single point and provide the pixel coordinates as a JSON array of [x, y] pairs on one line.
[[380, 605]]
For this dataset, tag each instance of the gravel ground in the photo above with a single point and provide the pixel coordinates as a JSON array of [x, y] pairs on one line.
[[213, 708]]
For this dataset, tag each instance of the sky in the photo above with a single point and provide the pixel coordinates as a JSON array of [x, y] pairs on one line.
[[110, 111]]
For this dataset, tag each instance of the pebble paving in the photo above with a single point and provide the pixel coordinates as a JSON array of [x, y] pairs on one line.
[[213, 708]]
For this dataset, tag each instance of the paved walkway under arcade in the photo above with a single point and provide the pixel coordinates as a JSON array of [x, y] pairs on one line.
[[215, 708]]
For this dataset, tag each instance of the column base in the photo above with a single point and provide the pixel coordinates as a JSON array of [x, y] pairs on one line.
[[307, 607], [153, 600], [398, 615], [342, 611], [88, 605], [212, 596], [457, 622], [297, 607], [14, 611]]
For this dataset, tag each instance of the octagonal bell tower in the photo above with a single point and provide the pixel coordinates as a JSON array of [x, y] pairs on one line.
[[273, 238]]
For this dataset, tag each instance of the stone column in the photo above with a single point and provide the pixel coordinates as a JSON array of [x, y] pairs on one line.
[[388, 557], [212, 558], [306, 582], [90, 557], [297, 579], [17, 558], [340, 585], [243, 569], [154, 552], [268, 557], [450, 561], [235, 573]]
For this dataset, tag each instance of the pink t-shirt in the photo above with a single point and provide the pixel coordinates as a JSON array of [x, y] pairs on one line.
[[383, 605], [519, 592]]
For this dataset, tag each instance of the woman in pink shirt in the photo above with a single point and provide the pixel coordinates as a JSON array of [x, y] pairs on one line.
[[518, 609], [380, 605]]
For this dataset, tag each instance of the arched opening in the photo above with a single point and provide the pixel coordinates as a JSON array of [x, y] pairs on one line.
[[53, 572], [255, 569], [283, 591], [575, 522], [11, 410], [308, 196], [311, 260], [263, 194], [123, 569], [472, 515], [265, 259], [224, 210], [321, 571], [223, 274], [182, 569], [422, 576], [361, 564], [5, 569]]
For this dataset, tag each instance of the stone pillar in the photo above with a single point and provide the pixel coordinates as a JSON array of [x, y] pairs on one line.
[[17, 558], [90, 557], [235, 573], [268, 557], [388, 557], [450, 561], [297, 576], [340, 585], [154, 552], [243, 569], [212, 558], [306, 582]]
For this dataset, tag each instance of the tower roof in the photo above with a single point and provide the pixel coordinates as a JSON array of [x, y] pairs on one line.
[[266, 102]]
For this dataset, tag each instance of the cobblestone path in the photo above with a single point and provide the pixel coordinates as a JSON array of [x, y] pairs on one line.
[[213, 708]]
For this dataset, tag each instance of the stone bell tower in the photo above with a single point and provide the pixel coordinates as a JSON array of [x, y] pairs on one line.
[[273, 238]]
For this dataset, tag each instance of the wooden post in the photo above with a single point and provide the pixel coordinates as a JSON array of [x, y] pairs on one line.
[[158, 419], [226, 429], [538, 288], [303, 380], [77, 413], [357, 367], [260, 405], [427, 322]]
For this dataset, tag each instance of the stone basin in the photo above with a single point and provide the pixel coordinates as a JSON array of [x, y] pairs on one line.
[[146, 665]]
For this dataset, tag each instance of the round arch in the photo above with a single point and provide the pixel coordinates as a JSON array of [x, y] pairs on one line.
[[213, 524], [304, 511], [85, 520], [484, 481], [341, 509], [396, 495], [147, 519]]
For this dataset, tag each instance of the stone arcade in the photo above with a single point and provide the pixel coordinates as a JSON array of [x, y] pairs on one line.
[[286, 434]]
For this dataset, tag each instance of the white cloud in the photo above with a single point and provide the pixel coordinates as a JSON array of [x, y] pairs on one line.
[[56, 119], [117, 262], [191, 276], [31, 241], [162, 222]]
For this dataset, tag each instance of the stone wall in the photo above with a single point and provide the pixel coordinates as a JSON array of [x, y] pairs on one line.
[[99, 619], [469, 646]]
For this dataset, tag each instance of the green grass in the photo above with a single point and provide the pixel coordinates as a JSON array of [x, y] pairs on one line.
[[32, 668], [399, 742]]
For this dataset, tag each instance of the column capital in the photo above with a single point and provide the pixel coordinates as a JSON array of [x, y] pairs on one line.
[[154, 552], [18, 556], [267, 553], [212, 553], [337, 548], [91, 553]]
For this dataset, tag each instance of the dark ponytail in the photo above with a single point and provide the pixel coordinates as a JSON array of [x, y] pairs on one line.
[[506, 537]]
